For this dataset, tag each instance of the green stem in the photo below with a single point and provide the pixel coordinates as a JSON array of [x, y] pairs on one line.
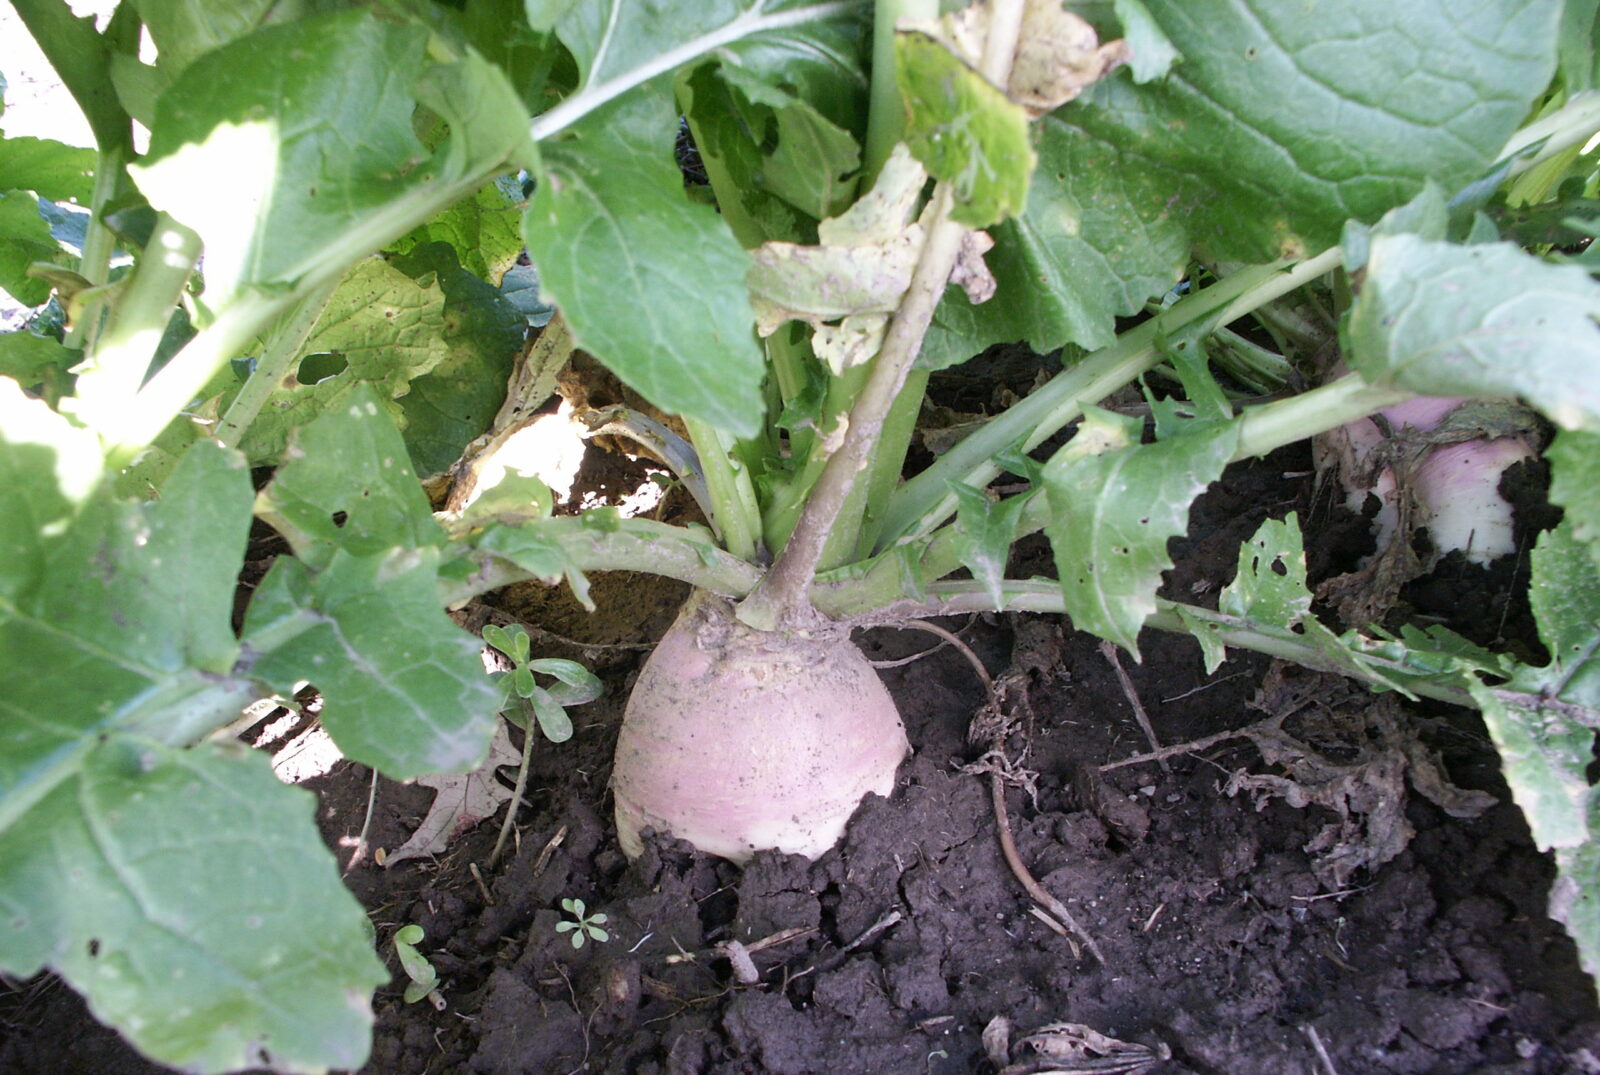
[[1261, 430], [641, 545], [1573, 124], [925, 501], [98, 242], [142, 418], [886, 119], [1271, 426], [284, 347], [110, 379], [783, 593], [728, 486], [1044, 596]]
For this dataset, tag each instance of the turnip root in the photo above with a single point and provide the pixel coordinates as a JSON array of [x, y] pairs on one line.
[[1451, 454], [738, 740]]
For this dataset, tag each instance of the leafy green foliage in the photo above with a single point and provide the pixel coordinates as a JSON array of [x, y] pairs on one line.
[[1277, 128], [612, 232], [1114, 505], [301, 140], [148, 880], [964, 129], [1486, 320]]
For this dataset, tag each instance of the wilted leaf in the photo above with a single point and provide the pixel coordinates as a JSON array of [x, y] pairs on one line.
[[460, 801]]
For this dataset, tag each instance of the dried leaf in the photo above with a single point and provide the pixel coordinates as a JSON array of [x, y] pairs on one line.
[[462, 800]]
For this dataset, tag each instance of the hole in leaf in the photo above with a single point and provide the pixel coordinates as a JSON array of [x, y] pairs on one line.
[[319, 367]]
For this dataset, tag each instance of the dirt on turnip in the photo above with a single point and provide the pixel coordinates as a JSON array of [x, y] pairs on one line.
[[1231, 937]]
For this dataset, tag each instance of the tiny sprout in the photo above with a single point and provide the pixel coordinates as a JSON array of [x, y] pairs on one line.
[[424, 979], [583, 926]]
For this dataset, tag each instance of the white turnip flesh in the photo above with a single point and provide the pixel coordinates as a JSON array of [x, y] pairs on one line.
[[738, 740]]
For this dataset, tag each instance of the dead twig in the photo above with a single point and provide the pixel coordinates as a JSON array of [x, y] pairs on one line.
[[1193, 745], [866, 936], [366, 826], [1108, 650], [997, 797], [1322, 1053]]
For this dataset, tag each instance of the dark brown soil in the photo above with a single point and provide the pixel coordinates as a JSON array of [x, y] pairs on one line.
[[1225, 939]]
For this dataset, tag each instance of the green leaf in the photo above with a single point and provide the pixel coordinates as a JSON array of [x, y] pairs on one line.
[[28, 358], [1114, 503], [380, 328], [24, 239], [985, 532], [1271, 582], [188, 895], [310, 124], [1485, 320], [814, 162], [575, 683], [1564, 593], [112, 615], [1277, 127], [253, 118], [1152, 53], [964, 129], [1546, 749], [610, 231], [1097, 239], [483, 230], [403, 686], [185, 29], [553, 719], [349, 462], [456, 401], [50, 169], [1574, 476], [414, 963], [1575, 893]]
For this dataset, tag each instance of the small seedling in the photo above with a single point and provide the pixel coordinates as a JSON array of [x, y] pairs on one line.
[[583, 926], [424, 979]]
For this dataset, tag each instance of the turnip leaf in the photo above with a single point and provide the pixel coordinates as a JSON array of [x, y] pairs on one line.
[[964, 129], [380, 328], [309, 127], [188, 895], [1574, 476], [1095, 241], [1114, 503], [1485, 320], [1277, 128], [650, 283]]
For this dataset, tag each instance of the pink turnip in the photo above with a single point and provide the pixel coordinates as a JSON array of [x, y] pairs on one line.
[[1452, 454], [737, 739]]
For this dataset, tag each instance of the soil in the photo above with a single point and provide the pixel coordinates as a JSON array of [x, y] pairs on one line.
[[1368, 932]]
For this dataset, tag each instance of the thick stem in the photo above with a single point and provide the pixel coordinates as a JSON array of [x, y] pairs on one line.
[[641, 545], [886, 119], [783, 593], [98, 242], [924, 502], [109, 381], [285, 345], [142, 418], [728, 488]]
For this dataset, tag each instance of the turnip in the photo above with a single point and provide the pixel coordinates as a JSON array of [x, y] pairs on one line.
[[1435, 464], [737, 739], [790, 326]]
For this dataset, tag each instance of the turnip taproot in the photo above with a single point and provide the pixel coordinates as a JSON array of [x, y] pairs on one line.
[[737, 739]]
